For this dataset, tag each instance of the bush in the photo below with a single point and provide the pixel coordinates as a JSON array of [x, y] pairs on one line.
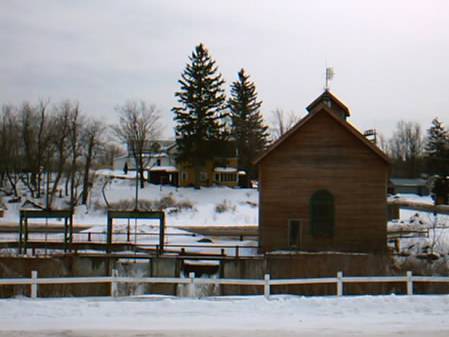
[[165, 203], [130, 204], [224, 206]]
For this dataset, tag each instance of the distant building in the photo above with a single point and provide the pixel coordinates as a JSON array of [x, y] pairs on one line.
[[323, 186], [159, 162], [163, 168], [219, 171], [411, 186]]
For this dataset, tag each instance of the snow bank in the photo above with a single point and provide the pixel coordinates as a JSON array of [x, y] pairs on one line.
[[331, 316]]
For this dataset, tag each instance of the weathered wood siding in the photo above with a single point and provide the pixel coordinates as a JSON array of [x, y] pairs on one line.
[[323, 154]]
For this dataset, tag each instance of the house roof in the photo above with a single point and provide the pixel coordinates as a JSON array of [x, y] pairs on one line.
[[163, 168], [225, 169], [326, 96], [408, 182], [322, 107]]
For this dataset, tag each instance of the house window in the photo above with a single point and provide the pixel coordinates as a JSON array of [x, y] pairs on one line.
[[203, 176], [322, 213], [294, 232], [228, 177], [184, 176]]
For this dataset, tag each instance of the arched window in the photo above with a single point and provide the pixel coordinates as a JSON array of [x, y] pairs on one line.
[[322, 213]]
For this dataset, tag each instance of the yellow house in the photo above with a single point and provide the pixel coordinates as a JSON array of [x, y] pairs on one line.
[[214, 172]]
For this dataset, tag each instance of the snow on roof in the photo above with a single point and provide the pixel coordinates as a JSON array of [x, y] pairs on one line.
[[164, 168], [202, 262], [408, 182], [225, 169]]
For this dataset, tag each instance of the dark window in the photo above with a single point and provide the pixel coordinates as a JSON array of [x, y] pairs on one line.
[[203, 176], [293, 233], [322, 213], [227, 177]]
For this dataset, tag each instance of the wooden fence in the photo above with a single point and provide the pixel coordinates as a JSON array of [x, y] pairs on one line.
[[191, 281]]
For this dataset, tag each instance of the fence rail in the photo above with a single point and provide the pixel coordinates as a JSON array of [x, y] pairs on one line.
[[191, 281]]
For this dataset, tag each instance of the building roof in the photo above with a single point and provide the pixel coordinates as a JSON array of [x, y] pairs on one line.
[[328, 96], [408, 182], [164, 169], [322, 107], [225, 169]]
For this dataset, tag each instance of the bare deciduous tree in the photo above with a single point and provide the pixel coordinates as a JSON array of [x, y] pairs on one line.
[[52, 140], [91, 140], [138, 125], [60, 135], [73, 176], [10, 164], [406, 147], [281, 122], [107, 154]]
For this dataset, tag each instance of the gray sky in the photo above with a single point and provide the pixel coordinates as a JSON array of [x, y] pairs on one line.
[[390, 56]]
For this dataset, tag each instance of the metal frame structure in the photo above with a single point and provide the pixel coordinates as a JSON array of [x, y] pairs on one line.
[[136, 214], [66, 214]]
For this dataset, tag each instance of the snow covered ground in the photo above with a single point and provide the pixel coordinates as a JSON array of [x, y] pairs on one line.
[[229, 316], [410, 220], [238, 206], [213, 206]]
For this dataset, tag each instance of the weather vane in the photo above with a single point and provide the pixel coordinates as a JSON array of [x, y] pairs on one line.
[[329, 76]]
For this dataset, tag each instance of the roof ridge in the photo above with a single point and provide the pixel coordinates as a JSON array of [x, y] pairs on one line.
[[310, 116]]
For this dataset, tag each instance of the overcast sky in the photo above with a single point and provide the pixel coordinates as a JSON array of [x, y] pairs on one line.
[[390, 57]]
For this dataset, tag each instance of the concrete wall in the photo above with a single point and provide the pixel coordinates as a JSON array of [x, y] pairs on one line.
[[294, 265], [55, 267]]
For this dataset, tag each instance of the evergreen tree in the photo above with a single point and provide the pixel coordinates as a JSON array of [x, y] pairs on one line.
[[200, 115], [248, 130], [437, 148]]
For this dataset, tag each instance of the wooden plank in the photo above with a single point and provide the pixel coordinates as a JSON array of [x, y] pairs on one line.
[[74, 280], [254, 282], [301, 281], [15, 281], [373, 279], [436, 279]]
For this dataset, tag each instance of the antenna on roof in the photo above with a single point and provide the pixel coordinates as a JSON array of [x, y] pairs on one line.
[[329, 76]]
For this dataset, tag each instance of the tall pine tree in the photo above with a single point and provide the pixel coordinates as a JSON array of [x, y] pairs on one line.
[[437, 148], [200, 113], [248, 129]]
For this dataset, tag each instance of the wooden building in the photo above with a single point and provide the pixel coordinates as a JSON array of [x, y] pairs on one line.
[[323, 186], [221, 171]]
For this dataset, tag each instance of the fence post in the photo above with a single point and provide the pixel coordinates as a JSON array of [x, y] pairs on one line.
[[266, 286], [191, 285], [340, 283], [409, 283], [33, 284], [114, 284]]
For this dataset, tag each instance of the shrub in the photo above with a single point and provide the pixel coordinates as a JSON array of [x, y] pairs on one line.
[[165, 203], [224, 206]]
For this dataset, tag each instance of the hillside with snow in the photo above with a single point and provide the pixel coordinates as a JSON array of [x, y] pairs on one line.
[[183, 206]]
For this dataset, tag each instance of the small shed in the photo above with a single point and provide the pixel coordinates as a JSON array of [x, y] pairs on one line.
[[411, 186], [323, 186]]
